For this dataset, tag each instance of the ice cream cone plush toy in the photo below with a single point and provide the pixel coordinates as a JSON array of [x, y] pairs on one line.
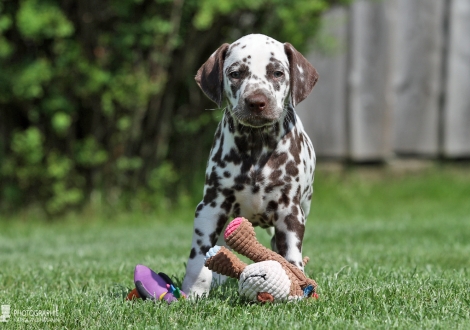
[[270, 278]]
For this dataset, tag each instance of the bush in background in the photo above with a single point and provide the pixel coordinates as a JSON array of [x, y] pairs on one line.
[[99, 96]]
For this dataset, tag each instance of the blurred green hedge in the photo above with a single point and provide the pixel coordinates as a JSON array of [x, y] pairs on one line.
[[97, 98]]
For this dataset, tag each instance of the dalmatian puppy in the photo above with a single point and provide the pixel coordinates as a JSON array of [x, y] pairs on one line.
[[262, 162]]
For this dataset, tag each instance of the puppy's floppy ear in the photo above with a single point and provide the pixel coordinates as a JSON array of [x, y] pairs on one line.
[[210, 78], [303, 75]]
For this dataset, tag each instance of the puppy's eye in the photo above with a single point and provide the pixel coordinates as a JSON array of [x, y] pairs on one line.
[[235, 74], [278, 74]]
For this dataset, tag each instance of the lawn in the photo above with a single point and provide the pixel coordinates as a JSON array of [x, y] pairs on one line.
[[388, 250]]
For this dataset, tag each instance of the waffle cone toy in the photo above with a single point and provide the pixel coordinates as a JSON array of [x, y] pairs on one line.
[[270, 278]]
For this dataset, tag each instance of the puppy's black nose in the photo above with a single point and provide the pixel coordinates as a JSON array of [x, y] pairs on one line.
[[256, 102]]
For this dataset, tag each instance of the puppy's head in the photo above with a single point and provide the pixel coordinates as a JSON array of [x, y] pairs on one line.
[[258, 76]]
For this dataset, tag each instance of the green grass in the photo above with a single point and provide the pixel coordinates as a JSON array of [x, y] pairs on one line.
[[388, 250]]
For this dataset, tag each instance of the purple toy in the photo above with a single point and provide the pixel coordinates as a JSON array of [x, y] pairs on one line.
[[151, 285]]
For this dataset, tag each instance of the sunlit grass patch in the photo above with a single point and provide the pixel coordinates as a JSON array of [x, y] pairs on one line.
[[391, 251]]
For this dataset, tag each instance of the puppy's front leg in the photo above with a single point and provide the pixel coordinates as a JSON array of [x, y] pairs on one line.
[[288, 236], [208, 225]]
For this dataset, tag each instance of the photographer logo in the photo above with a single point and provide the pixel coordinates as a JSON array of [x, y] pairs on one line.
[[29, 315], [5, 313]]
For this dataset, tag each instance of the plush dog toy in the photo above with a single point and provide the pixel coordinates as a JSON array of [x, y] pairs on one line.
[[270, 278]]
